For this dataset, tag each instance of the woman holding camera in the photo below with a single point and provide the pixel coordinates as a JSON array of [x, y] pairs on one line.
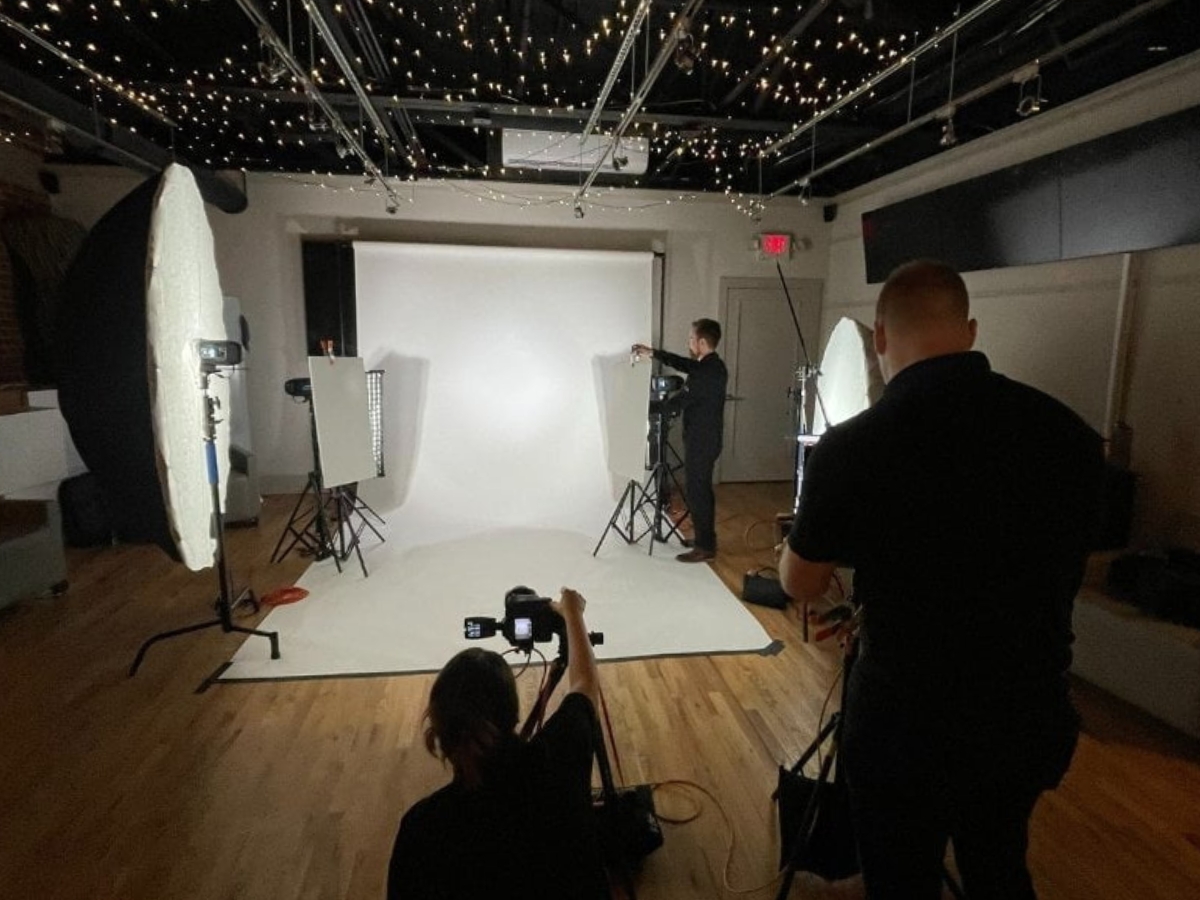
[[517, 819]]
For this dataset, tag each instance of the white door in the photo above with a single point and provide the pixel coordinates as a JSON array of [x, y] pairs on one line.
[[763, 353]]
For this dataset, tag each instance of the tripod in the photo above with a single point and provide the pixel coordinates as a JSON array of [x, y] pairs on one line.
[[654, 492], [312, 530], [226, 602], [822, 839], [622, 848], [823, 835]]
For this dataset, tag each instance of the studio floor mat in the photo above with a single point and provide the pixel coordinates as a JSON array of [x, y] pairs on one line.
[[407, 616]]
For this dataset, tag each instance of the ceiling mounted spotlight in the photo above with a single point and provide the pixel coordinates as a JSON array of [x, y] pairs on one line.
[[341, 148], [619, 159], [271, 67], [1029, 94], [579, 210], [271, 70], [949, 138], [391, 209], [805, 192], [685, 50]]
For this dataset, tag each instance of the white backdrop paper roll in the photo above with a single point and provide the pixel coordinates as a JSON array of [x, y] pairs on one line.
[[505, 405]]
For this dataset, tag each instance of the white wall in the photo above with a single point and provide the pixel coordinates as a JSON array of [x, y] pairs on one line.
[[258, 256], [1054, 325]]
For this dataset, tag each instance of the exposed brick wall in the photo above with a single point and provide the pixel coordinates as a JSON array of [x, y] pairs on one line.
[[14, 201]]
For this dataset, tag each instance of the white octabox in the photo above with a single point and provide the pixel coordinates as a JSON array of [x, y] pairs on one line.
[[184, 305], [849, 380]]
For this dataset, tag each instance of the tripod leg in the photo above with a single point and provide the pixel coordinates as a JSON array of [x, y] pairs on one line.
[[612, 520], [276, 556]]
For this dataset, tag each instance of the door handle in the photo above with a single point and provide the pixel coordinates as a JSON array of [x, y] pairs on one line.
[[733, 397]]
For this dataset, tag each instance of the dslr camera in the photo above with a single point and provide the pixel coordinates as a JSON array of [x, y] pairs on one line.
[[528, 619]]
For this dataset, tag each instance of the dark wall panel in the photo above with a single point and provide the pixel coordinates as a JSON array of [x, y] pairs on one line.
[[329, 310], [1133, 190], [1137, 190]]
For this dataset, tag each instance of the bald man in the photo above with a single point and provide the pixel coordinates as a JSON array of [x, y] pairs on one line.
[[964, 503]]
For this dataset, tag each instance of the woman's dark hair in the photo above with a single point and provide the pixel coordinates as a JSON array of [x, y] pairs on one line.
[[473, 706]]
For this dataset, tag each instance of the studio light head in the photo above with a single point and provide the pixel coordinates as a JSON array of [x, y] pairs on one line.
[[298, 387]]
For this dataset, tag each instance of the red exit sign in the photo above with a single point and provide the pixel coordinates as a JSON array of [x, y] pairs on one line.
[[774, 245]]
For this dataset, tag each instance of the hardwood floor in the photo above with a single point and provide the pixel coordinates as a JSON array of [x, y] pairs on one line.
[[141, 789]]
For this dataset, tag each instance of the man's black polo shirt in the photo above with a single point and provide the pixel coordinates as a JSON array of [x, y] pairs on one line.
[[964, 501]]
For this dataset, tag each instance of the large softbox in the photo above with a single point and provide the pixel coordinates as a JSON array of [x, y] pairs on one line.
[[141, 292]]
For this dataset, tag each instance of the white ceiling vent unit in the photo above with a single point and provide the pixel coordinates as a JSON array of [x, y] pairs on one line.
[[562, 151]]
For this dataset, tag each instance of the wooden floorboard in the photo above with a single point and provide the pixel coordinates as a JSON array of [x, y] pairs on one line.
[[142, 789]]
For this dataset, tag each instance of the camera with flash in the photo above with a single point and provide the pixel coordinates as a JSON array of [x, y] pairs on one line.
[[528, 620]]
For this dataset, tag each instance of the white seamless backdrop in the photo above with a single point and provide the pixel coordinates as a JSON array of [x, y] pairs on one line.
[[509, 397]]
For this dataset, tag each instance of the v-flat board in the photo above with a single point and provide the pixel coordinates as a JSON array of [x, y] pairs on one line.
[[339, 398]]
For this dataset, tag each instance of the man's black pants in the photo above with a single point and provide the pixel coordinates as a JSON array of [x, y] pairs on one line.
[[919, 778], [702, 501]]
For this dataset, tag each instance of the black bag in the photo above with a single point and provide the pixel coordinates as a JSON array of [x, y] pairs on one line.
[[762, 588], [831, 853], [1165, 585], [86, 518], [628, 827]]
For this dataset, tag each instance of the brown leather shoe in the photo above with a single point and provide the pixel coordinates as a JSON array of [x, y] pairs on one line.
[[697, 554]]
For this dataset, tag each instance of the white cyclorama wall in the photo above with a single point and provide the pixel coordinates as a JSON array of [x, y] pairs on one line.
[[509, 396], [1055, 325]]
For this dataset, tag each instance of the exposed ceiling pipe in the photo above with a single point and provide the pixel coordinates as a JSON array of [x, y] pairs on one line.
[[415, 152], [785, 42], [664, 54], [869, 85], [1014, 76], [267, 33], [82, 128], [95, 77], [635, 25]]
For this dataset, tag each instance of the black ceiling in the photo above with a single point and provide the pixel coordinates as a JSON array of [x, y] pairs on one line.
[[208, 81]]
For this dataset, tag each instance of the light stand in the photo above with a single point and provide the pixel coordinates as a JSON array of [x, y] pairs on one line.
[[312, 529], [807, 372], [654, 492], [226, 602]]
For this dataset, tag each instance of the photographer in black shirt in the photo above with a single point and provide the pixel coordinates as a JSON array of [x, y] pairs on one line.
[[517, 819], [964, 502], [703, 406]]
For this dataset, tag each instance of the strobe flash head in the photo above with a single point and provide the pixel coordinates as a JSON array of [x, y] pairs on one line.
[[662, 386], [476, 628], [298, 387], [217, 354]]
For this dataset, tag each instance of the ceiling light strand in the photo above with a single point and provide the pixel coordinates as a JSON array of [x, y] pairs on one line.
[[1100, 31], [870, 84], [126, 94]]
